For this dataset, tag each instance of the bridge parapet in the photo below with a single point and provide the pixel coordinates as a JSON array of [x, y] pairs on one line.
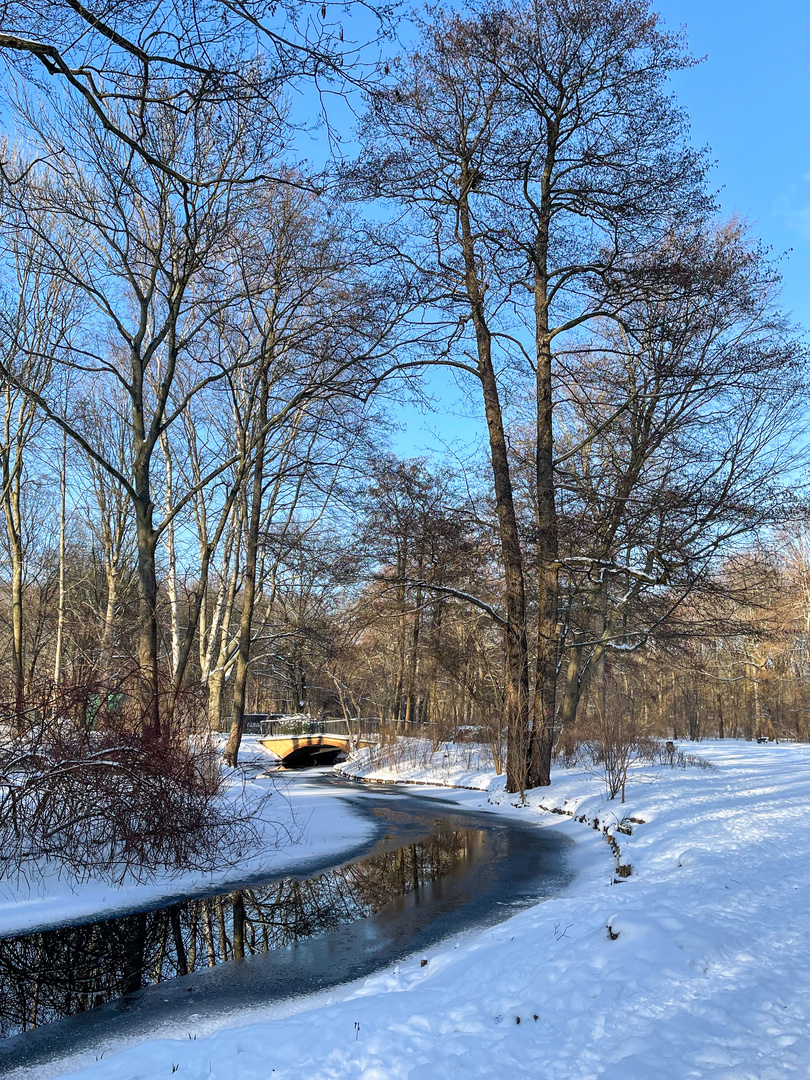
[[294, 725], [314, 745], [268, 724]]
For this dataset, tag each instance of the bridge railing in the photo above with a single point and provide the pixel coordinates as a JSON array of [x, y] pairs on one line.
[[269, 726], [314, 726]]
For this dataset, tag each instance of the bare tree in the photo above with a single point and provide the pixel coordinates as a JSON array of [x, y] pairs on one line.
[[151, 256], [38, 315], [539, 155], [232, 58], [677, 428], [107, 510]]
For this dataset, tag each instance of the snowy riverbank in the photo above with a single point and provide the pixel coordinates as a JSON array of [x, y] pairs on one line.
[[298, 823], [705, 971]]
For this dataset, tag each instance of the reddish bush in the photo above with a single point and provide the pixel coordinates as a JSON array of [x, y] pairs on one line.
[[85, 789]]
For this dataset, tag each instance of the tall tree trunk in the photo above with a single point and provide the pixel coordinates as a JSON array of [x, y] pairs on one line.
[[195, 608], [171, 569], [435, 647], [218, 658], [108, 628], [758, 725], [249, 592], [60, 617], [148, 686], [516, 696], [399, 688], [548, 634], [216, 690], [17, 641], [147, 683], [12, 511], [572, 694], [413, 660]]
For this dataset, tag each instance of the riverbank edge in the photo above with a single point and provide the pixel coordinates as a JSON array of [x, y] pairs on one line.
[[323, 838], [623, 870]]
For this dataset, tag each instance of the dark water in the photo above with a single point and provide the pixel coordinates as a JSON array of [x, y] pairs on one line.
[[432, 871], [56, 973]]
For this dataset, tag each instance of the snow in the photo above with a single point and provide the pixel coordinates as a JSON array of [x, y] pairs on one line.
[[414, 761], [302, 825], [704, 972]]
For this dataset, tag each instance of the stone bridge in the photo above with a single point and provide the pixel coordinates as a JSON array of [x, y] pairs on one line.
[[316, 748]]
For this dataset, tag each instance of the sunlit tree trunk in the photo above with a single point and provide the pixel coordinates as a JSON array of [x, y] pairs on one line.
[[249, 582], [60, 617], [171, 558]]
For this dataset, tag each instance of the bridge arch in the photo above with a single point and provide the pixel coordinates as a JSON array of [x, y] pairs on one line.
[[306, 751], [306, 757]]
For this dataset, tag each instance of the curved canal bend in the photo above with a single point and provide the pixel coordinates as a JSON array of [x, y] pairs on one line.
[[457, 870]]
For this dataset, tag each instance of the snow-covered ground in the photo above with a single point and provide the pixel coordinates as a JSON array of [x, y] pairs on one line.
[[697, 965], [300, 823]]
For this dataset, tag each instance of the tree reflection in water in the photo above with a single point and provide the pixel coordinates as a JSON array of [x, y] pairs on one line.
[[56, 973]]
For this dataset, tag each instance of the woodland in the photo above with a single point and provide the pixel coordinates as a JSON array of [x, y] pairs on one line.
[[234, 236]]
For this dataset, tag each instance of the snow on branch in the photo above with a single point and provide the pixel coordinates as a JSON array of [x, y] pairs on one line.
[[446, 590], [605, 566]]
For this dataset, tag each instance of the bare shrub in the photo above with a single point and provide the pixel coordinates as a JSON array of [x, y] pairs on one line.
[[614, 741], [403, 754], [573, 751], [660, 755], [620, 746], [493, 734], [86, 790]]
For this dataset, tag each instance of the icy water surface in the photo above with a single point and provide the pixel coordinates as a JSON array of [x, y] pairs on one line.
[[431, 872]]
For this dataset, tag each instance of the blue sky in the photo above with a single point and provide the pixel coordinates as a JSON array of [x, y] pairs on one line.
[[749, 102]]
